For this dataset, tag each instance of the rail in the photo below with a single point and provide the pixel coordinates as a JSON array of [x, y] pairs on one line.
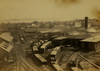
[[72, 56], [89, 61]]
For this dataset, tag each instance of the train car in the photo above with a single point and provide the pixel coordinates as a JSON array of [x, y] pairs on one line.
[[35, 49], [53, 56], [54, 53], [45, 46], [36, 44], [41, 59], [42, 41], [58, 48], [39, 43]]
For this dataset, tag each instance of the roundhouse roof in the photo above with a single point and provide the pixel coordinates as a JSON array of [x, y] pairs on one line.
[[92, 39]]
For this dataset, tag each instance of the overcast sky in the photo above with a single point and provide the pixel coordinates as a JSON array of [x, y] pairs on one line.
[[47, 9]]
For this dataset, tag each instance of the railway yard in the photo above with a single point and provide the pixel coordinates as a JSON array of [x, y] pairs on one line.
[[49, 50]]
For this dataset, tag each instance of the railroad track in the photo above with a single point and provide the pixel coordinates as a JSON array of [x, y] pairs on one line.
[[96, 66], [27, 63], [23, 60], [41, 68], [76, 54]]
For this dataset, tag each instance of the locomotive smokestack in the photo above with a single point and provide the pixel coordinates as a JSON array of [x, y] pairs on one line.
[[86, 23]]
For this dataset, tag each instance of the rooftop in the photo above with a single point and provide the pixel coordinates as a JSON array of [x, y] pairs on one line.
[[30, 29], [56, 48], [92, 39], [79, 36], [5, 46], [53, 52], [50, 31], [61, 37], [7, 37], [45, 44]]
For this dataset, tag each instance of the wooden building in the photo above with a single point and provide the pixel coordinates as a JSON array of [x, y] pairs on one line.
[[92, 43]]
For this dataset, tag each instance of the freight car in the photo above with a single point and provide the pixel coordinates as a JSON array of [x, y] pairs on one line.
[[45, 46], [54, 53]]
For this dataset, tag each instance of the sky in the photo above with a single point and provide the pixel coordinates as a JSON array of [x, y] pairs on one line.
[[27, 10]]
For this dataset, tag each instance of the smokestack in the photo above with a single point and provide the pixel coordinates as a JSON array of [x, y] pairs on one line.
[[86, 23]]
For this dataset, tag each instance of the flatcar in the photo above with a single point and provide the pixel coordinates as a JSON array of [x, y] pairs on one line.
[[45, 46], [41, 59]]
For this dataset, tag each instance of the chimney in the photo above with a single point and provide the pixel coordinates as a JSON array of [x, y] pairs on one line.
[[86, 23]]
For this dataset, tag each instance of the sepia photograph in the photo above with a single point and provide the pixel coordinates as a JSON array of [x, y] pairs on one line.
[[49, 35]]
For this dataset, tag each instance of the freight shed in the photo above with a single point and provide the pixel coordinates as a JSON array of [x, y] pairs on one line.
[[92, 43]]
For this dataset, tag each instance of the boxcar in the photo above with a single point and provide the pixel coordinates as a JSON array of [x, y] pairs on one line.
[[54, 52]]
